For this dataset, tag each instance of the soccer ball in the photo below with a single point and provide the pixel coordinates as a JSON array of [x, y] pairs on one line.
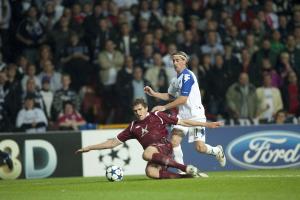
[[114, 173]]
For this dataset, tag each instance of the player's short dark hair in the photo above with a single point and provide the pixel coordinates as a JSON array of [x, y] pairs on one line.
[[140, 101], [181, 53]]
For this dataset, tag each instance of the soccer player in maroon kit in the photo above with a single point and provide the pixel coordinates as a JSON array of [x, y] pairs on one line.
[[151, 132]]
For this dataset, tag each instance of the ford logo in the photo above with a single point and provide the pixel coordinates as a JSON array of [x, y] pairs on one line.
[[265, 150]]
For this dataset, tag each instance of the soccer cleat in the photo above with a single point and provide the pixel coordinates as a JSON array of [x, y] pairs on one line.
[[7, 160], [221, 156], [195, 172]]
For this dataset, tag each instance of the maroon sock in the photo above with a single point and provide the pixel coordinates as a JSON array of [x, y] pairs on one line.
[[164, 160], [165, 174]]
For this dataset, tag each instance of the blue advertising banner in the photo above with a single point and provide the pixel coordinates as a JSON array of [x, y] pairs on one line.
[[249, 147]]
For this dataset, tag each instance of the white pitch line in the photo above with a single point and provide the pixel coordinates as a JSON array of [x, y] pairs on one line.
[[263, 176]]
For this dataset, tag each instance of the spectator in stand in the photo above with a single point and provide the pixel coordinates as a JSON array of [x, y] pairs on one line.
[[269, 98], [76, 61], [50, 73], [31, 34], [5, 38], [70, 118], [212, 47], [34, 91], [145, 60], [14, 93], [62, 95], [189, 46], [171, 17], [158, 75], [30, 74], [2, 63], [241, 98], [45, 54], [5, 123], [234, 39], [276, 42], [127, 41], [270, 15], [31, 119], [293, 52], [242, 18], [258, 30], [47, 96], [283, 26], [58, 37], [167, 59], [280, 117], [284, 66], [291, 94], [48, 17], [91, 106], [250, 44]]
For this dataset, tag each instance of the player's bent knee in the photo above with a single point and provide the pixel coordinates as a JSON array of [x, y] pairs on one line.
[[149, 151], [152, 172]]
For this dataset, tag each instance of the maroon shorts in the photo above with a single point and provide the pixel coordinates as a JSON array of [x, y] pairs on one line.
[[164, 148]]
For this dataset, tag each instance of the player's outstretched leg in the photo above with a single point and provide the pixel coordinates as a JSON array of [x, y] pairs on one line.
[[216, 151]]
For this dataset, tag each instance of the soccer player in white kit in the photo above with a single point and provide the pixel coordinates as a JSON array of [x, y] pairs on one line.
[[184, 94]]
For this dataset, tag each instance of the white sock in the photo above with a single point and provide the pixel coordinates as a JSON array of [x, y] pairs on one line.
[[178, 154], [211, 150]]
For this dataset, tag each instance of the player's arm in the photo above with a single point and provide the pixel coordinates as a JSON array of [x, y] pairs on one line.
[[109, 144], [163, 96], [189, 123]]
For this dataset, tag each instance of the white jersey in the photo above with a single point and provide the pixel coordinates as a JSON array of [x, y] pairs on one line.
[[186, 84]]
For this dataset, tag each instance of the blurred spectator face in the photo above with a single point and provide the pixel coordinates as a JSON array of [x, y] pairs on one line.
[[250, 40], [3, 78], [211, 25], [282, 21], [158, 34], [29, 104], [138, 73], [234, 31], [180, 26], [12, 70], [208, 14], [143, 23], [194, 61], [276, 36], [196, 5], [155, 5], [148, 51], [103, 24], [144, 5], [219, 61], [30, 85], [69, 109], [256, 24], [179, 9], [76, 9], [148, 39], [172, 48], [245, 55], [74, 39], [297, 32], [228, 22], [285, 58], [64, 22], [188, 36], [48, 66], [266, 64], [32, 12], [296, 16], [125, 29], [87, 8], [292, 77], [267, 80], [244, 79], [170, 8], [129, 62], [66, 81], [23, 62], [97, 10], [269, 6], [67, 13], [212, 38], [49, 8], [206, 59], [280, 117], [31, 70], [109, 46], [45, 52], [157, 59], [244, 4], [266, 44]]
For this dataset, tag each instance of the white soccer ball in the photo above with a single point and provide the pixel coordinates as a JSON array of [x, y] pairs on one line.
[[114, 173]]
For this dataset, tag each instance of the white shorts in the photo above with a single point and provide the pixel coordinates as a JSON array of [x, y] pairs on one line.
[[194, 133]]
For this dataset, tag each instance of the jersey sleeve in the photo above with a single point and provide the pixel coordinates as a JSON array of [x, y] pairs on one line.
[[167, 118], [125, 135], [187, 83]]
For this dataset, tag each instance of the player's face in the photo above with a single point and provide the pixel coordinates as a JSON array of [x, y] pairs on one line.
[[179, 63], [140, 111]]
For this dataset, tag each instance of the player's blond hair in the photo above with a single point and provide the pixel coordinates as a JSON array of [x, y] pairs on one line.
[[182, 54]]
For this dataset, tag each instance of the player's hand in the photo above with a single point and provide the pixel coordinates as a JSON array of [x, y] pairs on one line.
[[82, 150], [214, 124], [158, 108], [148, 90]]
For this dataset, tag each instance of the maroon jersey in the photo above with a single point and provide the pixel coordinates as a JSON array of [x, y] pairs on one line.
[[150, 130]]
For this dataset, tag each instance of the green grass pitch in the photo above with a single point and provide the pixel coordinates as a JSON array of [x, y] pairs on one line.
[[229, 185]]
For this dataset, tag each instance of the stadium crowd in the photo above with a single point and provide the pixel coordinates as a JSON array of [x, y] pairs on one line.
[[67, 64]]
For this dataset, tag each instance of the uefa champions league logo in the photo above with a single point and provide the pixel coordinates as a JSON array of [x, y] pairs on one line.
[[118, 156], [266, 150]]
